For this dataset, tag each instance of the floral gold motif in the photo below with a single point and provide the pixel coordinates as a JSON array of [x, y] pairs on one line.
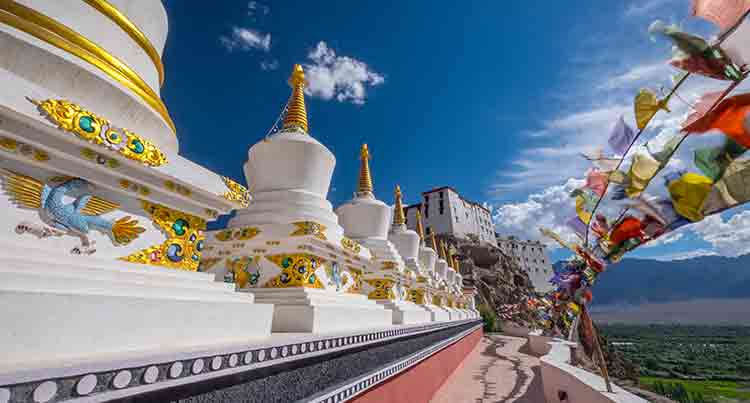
[[351, 245], [309, 228], [297, 270], [207, 263], [95, 129], [134, 187], [357, 279], [236, 193], [177, 188], [383, 288], [185, 239], [388, 265], [12, 146], [238, 234], [416, 296]]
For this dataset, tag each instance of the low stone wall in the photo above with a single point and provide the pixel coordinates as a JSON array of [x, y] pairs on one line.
[[539, 345], [565, 383], [420, 383], [511, 329], [283, 368]]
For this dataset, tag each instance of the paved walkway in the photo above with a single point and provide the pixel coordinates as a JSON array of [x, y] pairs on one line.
[[496, 371]]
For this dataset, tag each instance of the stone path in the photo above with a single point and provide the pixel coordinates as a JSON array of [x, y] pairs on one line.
[[497, 371]]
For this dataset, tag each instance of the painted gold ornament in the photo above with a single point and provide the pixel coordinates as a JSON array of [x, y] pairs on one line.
[[90, 127], [184, 244]]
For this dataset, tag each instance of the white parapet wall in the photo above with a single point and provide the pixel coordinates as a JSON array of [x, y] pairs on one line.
[[539, 344], [565, 383], [512, 329]]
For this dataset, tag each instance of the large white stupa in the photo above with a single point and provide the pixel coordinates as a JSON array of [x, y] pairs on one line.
[[287, 247]]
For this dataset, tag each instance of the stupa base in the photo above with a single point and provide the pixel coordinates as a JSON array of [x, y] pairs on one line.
[[406, 313], [437, 314], [455, 314], [59, 307], [321, 311]]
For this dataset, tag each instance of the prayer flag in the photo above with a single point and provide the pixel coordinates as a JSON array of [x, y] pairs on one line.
[[724, 13], [642, 170], [730, 116], [646, 105], [629, 227], [701, 107], [733, 189], [600, 161], [621, 137], [693, 54], [688, 195], [596, 181], [666, 152], [737, 44], [577, 225], [713, 161]]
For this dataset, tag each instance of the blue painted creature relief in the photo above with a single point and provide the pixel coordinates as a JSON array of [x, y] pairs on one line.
[[60, 217]]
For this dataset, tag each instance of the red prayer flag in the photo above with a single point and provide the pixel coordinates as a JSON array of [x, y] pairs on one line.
[[729, 117], [629, 227], [724, 13], [704, 104], [597, 181]]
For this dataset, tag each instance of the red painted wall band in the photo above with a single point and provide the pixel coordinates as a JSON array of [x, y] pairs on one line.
[[422, 381]]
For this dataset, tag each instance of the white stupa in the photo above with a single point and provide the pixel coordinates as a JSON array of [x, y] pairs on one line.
[[426, 280], [287, 246], [365, 220]]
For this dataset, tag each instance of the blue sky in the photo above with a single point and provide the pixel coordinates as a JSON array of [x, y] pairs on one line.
[[492, 98]]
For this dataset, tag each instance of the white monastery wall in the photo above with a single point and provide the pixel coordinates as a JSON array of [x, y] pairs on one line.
[[444, 211], [532, 257]]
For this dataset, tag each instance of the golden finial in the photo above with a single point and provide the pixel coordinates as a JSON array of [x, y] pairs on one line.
[[420, 229], [434, 243], [365, 180], [449, 258], [296, 114], [398, 210], [442, 250]]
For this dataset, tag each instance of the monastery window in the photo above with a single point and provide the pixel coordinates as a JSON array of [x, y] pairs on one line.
[[441, 206]]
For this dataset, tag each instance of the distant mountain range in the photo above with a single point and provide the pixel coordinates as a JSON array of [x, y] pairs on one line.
[[639, 281]]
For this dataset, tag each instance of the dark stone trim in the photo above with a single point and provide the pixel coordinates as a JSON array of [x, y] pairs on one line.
[[304, 379]]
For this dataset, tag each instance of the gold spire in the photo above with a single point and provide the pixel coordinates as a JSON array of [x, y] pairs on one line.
[[449, 258], [434, 244], [365, 180], [442, 250], [296, 114], [420, 229], [398, 210]]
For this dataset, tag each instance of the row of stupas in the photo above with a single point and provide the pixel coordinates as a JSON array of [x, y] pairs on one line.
[[323, 270]]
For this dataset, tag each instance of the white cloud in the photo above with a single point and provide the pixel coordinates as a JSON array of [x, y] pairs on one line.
[[339, 77], [643, 8], [637, 75], [267, 65], [685, 255], [665, 239], [730, 237], [246, 39], [255, 8], [550, 208]]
